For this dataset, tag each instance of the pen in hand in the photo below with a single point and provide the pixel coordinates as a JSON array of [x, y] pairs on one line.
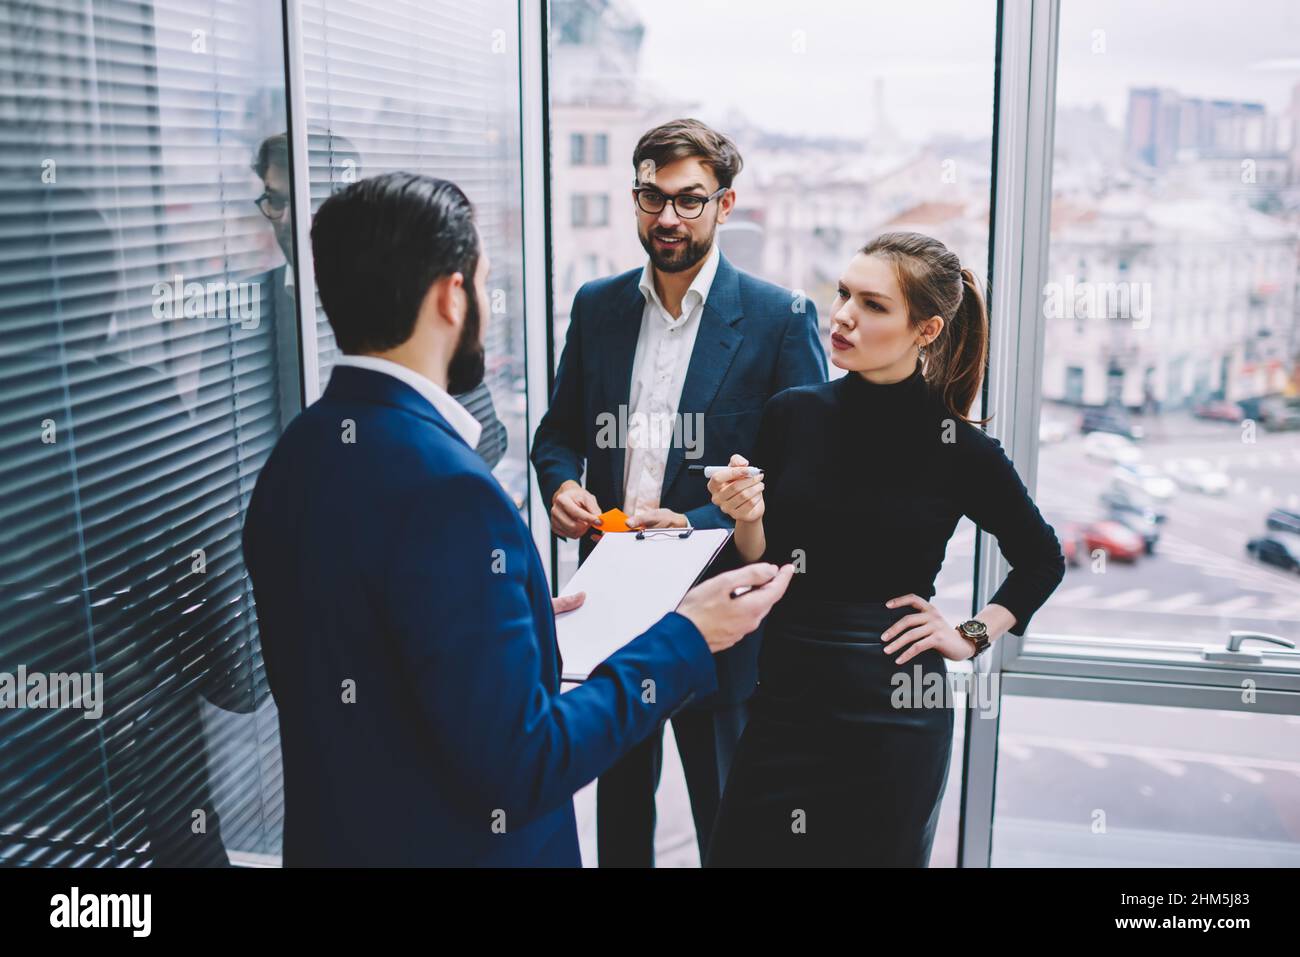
[[709, 471], [746, 589]]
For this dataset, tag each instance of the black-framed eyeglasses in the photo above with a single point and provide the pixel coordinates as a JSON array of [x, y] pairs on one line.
[[685, 205], [272, 205]]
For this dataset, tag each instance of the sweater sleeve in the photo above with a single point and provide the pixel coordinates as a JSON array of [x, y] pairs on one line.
[[768, 447], [997, 501]]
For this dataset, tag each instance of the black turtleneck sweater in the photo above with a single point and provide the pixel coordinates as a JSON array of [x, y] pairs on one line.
[[867, 483]]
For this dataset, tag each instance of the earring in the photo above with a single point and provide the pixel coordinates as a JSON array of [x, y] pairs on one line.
[[921, 352]]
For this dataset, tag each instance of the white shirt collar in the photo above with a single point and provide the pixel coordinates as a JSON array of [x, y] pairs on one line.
[[700, 286], [457, 416]]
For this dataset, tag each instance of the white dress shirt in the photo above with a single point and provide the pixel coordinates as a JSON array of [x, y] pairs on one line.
[[457, 416], [663, 353]]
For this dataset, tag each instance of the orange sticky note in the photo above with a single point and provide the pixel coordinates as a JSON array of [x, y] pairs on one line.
[[615, 520]]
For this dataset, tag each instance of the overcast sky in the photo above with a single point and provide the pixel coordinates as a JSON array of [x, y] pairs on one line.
[[936, 57]]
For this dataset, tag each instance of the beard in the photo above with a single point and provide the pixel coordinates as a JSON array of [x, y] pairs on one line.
[[679, 258], [469, 362]]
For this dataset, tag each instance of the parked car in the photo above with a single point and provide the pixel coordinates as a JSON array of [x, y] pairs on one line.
[[1125, 499], [1143, 522], [1199, 476], [1283, 520], [1111, 448], [1279, 417], [1080, 540], [1148, 478], [1218, 410], [1112, 420], [1280, 549]]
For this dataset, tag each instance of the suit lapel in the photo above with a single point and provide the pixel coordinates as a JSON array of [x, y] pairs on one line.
[[716, 346]]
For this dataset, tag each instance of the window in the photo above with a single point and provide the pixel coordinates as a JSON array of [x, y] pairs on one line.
[[588, 210], [1105, 784], [1170, 351], [578, 208], [1150, 262], [832, 156], [577, 149], [432, 87], [149, 347]]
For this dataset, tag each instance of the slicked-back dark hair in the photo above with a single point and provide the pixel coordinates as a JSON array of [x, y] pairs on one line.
[[379, 245]]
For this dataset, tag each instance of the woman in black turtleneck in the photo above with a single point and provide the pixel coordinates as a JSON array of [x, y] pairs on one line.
[[865, 478]]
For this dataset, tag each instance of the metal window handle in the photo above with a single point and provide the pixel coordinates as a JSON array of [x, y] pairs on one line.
[[1235, 638], [1232, 651]]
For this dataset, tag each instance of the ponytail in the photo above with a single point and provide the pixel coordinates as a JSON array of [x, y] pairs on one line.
[[957, 366]]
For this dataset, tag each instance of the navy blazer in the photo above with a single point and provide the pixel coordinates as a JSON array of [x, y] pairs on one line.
[[409, 643], [755, 339]]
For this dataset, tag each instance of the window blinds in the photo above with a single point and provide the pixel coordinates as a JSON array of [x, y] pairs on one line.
[[132, 428]]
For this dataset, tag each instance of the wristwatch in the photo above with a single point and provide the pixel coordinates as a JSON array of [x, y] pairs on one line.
[[976, 632]]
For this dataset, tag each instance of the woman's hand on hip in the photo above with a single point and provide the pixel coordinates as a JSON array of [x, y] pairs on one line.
[[739, 496], [922, 631]]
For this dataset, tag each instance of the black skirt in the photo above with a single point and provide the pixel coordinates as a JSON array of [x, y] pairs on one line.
[[837, 765]]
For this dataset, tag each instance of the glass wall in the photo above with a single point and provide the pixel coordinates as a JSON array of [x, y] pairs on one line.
[[1170, 430], [1102, 784], [850, 123], [150, 350], [149, 361], [432, 86], [1154, 710]]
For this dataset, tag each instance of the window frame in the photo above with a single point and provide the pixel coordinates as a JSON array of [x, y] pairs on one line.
[[1024, 134]]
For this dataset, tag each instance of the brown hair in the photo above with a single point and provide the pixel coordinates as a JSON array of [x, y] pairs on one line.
[[680, 139], [935, 284]]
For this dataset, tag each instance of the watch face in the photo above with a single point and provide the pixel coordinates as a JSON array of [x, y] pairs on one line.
[[975, 628]]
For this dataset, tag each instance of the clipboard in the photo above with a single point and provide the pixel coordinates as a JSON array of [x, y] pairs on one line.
[[632, 579]]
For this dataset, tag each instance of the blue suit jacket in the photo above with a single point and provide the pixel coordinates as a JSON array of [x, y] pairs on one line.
[[755, 340], [409, 642]]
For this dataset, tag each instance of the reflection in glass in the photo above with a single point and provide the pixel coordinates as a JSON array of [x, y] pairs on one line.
[[146, 372], [432, 87]]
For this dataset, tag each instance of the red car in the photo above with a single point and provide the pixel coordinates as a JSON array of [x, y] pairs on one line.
[[1080, 540], [1221, 411]]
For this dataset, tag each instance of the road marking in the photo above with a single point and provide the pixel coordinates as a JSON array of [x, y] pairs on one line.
[[1160, 762], [1013, 750], [1249, 775], [1126, 598], [1232, 605], [1178, 601], [1218, 759], [1087, 756], [1074, 594]]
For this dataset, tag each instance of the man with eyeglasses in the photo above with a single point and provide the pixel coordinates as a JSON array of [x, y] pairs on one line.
[[689, 349]]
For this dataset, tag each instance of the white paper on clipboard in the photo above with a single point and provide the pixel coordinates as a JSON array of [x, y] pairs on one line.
[[630, 583]]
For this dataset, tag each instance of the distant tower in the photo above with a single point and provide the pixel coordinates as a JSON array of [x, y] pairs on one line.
[[1295, 134], [882, 133]]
